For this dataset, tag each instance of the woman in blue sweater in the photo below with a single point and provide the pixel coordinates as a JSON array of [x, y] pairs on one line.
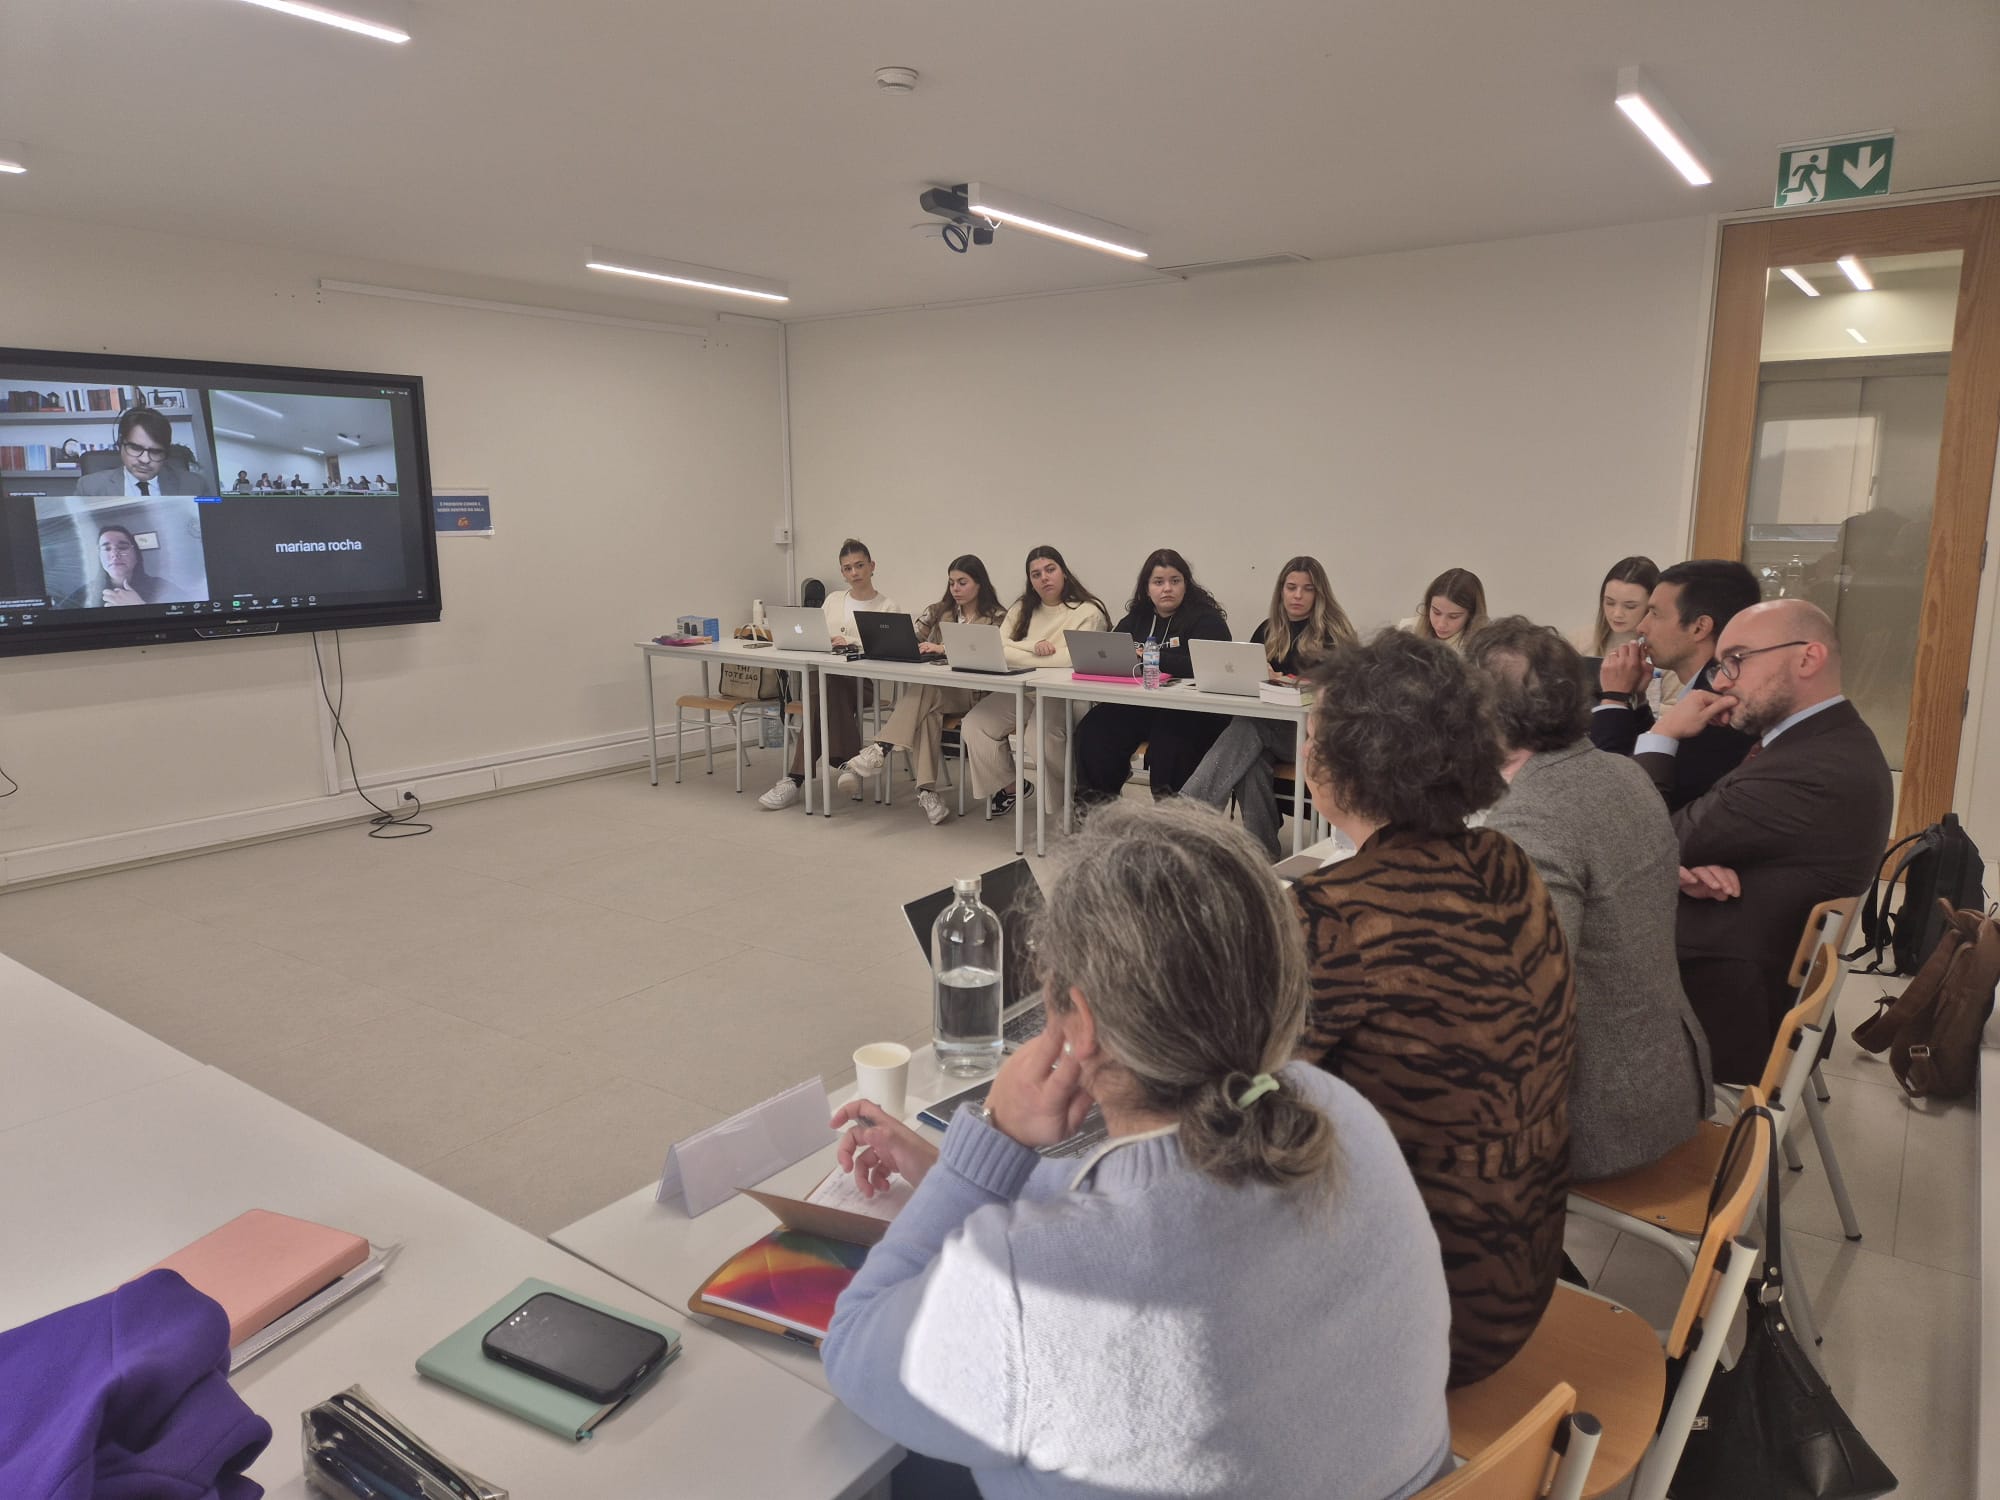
[[1238, 1294]]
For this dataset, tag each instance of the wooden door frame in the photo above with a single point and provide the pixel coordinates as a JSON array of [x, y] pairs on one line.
[[1750, 252]]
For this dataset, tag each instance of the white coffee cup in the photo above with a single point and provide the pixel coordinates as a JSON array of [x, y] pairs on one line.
[[882, 1075]]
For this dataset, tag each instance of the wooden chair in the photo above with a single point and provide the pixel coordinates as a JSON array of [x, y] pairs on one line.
[[708, 707], [1547, 1453], [1827, 930], [1616, 1364], [1666, 1202]]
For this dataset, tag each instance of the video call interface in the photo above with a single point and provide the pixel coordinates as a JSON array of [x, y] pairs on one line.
[[202, 497]]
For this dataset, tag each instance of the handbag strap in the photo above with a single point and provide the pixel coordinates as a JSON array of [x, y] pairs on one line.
[[1769, 1280]]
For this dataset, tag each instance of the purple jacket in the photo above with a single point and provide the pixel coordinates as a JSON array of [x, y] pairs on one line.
[[126, 1397]]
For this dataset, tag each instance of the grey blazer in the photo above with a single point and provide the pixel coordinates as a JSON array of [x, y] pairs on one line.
[[111, 481], [1604, 846]]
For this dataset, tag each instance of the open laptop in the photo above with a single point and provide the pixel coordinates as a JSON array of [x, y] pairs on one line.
[[1235, 667], [799, 627], [978, 648], [887, 637], [1102, 653]]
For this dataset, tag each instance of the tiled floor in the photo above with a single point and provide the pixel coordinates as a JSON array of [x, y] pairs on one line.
[[530, 1004]]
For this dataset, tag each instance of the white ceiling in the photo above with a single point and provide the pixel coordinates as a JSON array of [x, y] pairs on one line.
[[512, 134]]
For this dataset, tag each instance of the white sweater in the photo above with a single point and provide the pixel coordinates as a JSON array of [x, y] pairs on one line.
[[1048, 623], [839, 610]]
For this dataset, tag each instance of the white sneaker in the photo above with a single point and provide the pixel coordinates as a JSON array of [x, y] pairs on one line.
[[870, 761], [933, 806], [784, 794]]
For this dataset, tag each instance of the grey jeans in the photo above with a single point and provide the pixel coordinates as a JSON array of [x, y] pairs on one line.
[[1241, 762]]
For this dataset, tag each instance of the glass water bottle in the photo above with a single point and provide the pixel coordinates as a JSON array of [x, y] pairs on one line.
[[966, 964]]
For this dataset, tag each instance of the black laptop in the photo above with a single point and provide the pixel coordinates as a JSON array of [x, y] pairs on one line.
[[887, 637]]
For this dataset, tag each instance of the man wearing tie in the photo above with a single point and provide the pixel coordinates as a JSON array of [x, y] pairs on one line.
[[144, 440], [1802, 820]]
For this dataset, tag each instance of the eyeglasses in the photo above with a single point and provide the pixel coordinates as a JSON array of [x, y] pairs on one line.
[[1732, 664], [140, 450]]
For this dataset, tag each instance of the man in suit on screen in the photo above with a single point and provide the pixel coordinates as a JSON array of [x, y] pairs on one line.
[[145, 438], [1802, 820]]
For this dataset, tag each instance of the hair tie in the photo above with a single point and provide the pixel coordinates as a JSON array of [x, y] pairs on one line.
[[1261, 1085]]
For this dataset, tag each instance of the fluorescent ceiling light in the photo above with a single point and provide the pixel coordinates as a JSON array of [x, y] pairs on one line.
[[246, 401], [346, 439], [1057, 223], [1855, 334], [232, 432], [1856, 272], [1644, 107], [315, 452], [686, 273], [346, 21], [1798, 281]]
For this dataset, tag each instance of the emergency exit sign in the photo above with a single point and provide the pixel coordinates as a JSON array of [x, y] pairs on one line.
[[1828, 171]]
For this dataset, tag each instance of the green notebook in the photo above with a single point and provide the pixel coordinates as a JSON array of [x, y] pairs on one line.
[[461, 1363]]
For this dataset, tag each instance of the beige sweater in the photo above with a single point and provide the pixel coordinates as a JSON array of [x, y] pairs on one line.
[[1048, 624]]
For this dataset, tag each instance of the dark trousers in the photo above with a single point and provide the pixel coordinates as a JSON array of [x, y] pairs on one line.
[[843, 735], [921, 1478], [1111, 732], [1739, 1003]]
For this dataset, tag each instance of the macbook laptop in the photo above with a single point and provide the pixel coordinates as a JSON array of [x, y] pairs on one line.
[[799, 627], [978, 648], [1102, 653], [887, 637], [1235, 667]]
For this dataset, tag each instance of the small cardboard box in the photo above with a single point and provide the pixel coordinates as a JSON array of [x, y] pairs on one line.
[[706, 625]]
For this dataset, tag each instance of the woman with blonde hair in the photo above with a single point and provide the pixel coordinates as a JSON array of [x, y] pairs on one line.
[[1305, 624], [1239, 1293], [1452, 608]]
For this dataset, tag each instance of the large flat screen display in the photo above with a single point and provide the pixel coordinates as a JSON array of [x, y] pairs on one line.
[[149, 500]]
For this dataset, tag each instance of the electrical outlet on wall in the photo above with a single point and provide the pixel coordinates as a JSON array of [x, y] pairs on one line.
[[781, 535], [406, 793]]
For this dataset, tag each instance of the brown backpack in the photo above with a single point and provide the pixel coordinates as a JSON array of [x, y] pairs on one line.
[[1931, 1030]]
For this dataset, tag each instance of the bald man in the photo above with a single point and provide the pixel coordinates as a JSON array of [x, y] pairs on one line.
[[1801, 821]]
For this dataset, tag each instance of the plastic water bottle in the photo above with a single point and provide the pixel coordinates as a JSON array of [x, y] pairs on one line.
[[967, 960], [1149, 658]]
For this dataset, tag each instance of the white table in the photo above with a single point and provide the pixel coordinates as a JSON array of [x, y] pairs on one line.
[[924, 675], [659, 1250], [59, 1052], [1181, 696], [96, 1194], [759, 654]]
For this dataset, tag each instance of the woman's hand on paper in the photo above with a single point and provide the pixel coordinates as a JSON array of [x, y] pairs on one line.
[[880, 1148]]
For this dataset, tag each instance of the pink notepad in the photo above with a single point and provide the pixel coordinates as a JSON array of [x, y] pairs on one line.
[[261, 1265]]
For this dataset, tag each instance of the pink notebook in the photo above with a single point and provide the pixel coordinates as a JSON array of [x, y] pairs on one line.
[[261, 1265], [1107, 677]]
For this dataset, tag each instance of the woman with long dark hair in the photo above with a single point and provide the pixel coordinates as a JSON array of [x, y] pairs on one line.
[[917, 722], [1305, 625], [1053, 600], [1453, 607], [1168, 609], [121, 578]]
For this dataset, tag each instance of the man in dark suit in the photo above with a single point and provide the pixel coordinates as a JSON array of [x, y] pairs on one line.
[[1691, 606], [1801, 821], [145, 440]]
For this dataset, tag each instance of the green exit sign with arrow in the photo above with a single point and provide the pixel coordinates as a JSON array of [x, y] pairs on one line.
[[1828, 171]]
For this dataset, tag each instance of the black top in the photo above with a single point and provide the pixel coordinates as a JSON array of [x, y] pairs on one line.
[[1703, 760], [1288, 665], [1189, 623]]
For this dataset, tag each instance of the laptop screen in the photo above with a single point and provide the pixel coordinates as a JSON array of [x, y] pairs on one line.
[[1013, 892]]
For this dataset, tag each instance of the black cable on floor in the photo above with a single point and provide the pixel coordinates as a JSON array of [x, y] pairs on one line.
[[388, 823]]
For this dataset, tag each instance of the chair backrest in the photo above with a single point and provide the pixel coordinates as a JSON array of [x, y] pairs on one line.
[[1515, 1465], [1738, 1195], [812, 593], [1809, 1011], [1826, 927]]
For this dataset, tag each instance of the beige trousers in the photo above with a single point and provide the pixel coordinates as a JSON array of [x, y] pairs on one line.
[[916, 724], [992, 763]]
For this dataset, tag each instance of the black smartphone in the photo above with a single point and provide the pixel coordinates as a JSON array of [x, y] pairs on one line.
[[575, 1347]]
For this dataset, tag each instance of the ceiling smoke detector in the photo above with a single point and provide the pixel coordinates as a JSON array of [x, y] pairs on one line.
[[896, 80]]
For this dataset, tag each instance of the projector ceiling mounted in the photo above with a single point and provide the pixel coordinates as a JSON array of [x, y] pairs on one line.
[[973, 210]]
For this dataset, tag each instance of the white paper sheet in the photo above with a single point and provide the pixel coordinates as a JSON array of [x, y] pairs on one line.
[[709, 1166]]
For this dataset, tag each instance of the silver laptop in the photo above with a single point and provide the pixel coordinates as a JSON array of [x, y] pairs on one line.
[[796, 627], [1103, 653], [978, 648], [1235, 667]]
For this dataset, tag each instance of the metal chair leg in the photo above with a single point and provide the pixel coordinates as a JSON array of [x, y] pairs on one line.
[[1830, 1164], [1799, 1303], [677, 744], [1792, 1155], [1819, 1086]]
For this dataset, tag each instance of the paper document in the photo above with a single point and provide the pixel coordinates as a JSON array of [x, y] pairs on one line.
[[837, 1190], [709, 1166]]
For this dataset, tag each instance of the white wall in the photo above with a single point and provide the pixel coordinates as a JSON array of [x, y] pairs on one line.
[[634, 476], [1524, 408]]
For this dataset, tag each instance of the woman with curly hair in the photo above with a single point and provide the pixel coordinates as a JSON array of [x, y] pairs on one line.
[[1441, 985]]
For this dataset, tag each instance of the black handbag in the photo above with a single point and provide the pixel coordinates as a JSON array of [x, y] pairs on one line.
[[1770, 1428]]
